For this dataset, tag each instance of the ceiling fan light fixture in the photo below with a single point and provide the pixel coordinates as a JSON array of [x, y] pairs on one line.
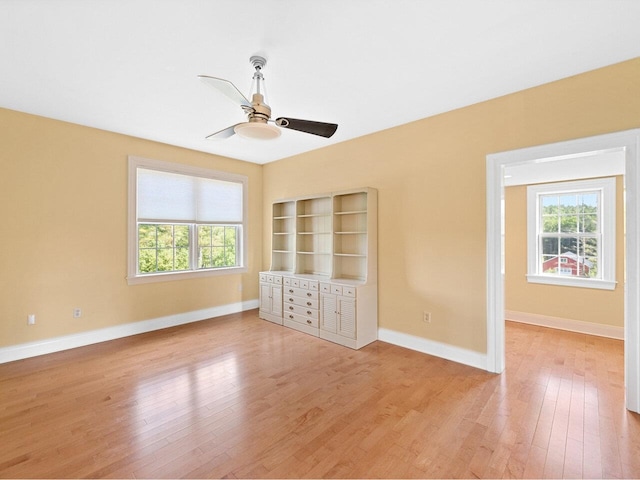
[[257, 131]]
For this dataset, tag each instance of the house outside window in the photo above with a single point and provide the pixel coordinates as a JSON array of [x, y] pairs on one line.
[[571, 233], [184, 221]]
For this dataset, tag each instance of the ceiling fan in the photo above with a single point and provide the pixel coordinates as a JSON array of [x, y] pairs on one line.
[[259, 124]]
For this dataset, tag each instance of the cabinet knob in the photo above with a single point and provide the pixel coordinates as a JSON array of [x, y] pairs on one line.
[[291, 290], [291, 299], [308, 312], [308, 294], [309, 322], [290, 316], [309, 303], [290, 307]]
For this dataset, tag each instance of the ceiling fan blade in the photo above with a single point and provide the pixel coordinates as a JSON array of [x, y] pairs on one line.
[[222, 134], [316, 128], [227, 88]]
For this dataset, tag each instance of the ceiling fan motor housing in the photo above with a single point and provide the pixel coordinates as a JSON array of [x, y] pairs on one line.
[[261, 111]]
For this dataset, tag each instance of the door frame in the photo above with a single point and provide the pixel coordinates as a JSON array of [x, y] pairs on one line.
[[628, 140]]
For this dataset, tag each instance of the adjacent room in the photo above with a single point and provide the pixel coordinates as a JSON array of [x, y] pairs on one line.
[[430, 269]]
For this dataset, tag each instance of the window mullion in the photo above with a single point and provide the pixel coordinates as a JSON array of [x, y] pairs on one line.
[[193, 246]]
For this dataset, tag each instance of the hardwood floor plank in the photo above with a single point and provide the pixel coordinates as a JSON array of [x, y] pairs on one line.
[[238, 397]]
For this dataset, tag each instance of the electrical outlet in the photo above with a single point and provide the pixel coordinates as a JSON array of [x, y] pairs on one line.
[[426, 317], [77, 313], [31, 319]]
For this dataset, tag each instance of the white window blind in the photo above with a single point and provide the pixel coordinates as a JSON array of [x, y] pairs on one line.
[[173, 197]]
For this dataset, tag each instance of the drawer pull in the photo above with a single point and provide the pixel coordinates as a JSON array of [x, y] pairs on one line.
[[291, 290], [308, 312], [291, 299], [309, 294], [309, 303], [290, 307], [309, 322], [290, 316]]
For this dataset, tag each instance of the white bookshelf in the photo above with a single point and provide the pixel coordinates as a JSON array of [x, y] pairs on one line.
[[324, 253]]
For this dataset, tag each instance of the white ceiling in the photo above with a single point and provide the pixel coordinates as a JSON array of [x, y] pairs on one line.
[[368, 65]]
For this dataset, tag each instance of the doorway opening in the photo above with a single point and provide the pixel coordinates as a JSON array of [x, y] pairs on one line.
[[497, 164]]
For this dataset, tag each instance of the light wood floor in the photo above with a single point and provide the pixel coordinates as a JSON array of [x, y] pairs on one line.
[[240, 397]]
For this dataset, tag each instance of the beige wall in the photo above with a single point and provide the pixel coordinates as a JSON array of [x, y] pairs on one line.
[[431, 180], [64, 187], [64, 231], [584, 304]]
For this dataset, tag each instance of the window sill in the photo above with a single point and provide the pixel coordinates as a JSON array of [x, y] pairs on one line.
[[171, 276], [572, 282]]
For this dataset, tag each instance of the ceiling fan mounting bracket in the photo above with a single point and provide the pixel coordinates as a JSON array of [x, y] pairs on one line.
[[258, 62]]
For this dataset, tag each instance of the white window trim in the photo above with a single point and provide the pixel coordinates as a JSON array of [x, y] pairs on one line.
[[607, 249], [133, 278]]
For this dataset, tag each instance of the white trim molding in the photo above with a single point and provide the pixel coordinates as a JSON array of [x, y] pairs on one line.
[[570, 325], [57, 344], [431, 347]]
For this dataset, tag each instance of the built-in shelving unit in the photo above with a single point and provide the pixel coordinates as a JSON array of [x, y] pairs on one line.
[[283, 236], [324, 254], [313, 237], [350, 236]]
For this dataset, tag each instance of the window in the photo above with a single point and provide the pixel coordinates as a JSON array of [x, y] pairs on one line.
[[571, 233], [184, 221]]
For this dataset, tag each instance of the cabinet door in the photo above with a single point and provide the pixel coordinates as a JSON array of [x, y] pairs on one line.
[[328, 313], [265, 297], [276, 299], [347, 317]]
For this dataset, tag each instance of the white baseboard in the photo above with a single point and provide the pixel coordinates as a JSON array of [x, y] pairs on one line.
[[57, 344], [437, 349], [568, 324]]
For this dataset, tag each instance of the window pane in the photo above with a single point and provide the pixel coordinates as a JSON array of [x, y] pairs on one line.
[[549, 211], [168, 248], [569, 245], [217, 234], [205, 258], [589, 202], [550, 246], [217, 257], [181, 233], [147, 260], [589, 223], [146, 236], [590, 257], [182, 259], [568, 202], [165, 236], [165, 260], [204, 235], [217, 246]]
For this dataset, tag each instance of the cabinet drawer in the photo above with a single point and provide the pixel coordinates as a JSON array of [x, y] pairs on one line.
[[304, 311], [336, 289], [277, 280], [313, 285], [299, 292], [295, 282], [325, 287], [349, 291], [287, 281], [304, 302], [312, 322], [263, 277]]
